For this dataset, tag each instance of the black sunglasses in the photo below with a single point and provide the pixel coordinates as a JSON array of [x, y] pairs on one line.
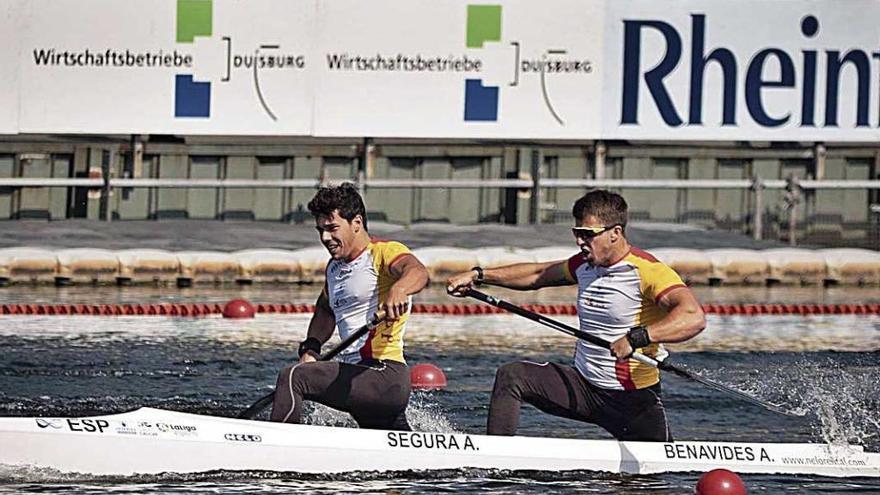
[[587, 233]]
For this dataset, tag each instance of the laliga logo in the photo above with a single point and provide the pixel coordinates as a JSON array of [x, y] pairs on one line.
[[166, 427]]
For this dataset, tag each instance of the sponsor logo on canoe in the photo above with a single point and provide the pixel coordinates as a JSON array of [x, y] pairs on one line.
[[423, 440], [124, 428], [716, 452], [180, 430], [55, 424], [243, 437], [141, 428], [88, 425]]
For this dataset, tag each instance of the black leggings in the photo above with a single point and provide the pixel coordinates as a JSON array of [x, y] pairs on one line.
[[562, 391], [374, 393]]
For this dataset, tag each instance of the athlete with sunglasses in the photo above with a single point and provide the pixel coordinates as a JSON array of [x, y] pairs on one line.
[[625, 296]]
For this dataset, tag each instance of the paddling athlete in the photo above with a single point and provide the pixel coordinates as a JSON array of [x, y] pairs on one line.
[[625, 296], [371, 380]]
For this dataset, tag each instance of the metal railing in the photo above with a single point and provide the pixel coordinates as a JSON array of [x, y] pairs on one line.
[[741, 184], [793, 186]]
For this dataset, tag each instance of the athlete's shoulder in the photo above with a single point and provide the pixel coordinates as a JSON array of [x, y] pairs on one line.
[[644, 261], [378, 241], [386, 253], [385, 246], [657, 278], [638, 254]]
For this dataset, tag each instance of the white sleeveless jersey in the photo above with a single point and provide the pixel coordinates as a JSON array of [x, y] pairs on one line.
[[611, 300], [355, 290]]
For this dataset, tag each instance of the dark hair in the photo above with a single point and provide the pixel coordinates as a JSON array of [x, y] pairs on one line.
[[607, 206], [344, 197]]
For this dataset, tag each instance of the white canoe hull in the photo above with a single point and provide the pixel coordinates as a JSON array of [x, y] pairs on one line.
[[149, 441]]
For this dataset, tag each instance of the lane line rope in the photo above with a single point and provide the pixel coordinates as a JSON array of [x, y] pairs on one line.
[[208, 309]]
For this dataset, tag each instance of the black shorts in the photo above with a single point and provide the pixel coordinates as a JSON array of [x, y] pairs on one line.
[[374, 392], [561, 390]]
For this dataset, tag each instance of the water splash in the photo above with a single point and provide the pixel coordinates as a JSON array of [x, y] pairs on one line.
[[321, 415], [837, 397], [423, 414], [840, 401]]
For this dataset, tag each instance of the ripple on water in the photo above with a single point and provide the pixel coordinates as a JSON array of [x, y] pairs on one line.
[[89, 365]]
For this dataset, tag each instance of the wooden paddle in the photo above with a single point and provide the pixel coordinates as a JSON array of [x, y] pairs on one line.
[[663, 365], [263, 402]]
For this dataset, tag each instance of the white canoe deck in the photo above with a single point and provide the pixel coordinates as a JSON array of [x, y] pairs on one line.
[[150, 441]]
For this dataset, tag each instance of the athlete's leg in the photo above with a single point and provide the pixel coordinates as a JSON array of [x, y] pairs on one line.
[[553, 388], [376, 396], [379, 396], [636, 415], [309, 381]]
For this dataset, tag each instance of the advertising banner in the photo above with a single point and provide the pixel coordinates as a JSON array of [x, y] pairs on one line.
[[166, 66], [754, 70], [429, 68], [745, 70], [10, 13]]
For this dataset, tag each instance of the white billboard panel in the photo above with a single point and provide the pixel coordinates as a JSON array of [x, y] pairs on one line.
[[166, 66], [746, 70], [785, 70], [10, 13], [449, 69]]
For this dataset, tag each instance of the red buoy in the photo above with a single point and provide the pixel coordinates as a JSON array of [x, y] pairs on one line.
[[720, 482], [426, 376], [238, 308]]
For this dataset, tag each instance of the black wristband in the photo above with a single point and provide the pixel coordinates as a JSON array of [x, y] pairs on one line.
[[638, 337], [310, 344], [479, 279]]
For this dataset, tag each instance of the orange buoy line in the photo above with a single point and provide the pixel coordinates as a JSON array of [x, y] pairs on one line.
[[242, 309]]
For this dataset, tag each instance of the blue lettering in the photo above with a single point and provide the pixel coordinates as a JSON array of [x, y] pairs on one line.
[[632, 50], [755, 82], [859, 59], [725, 59]]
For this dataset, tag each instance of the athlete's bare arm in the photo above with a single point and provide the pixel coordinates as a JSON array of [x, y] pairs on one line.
[[684, 320], [412, 277], [519, 276], [321, 326]]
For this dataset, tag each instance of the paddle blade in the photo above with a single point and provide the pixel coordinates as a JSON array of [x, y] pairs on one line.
[[257, 407]]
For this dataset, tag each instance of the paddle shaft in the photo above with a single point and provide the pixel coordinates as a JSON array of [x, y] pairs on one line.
[[663, 365], [264, 401], [556, 325]]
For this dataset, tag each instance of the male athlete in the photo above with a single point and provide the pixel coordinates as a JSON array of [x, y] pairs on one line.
[[626, 297], [371, 380]]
